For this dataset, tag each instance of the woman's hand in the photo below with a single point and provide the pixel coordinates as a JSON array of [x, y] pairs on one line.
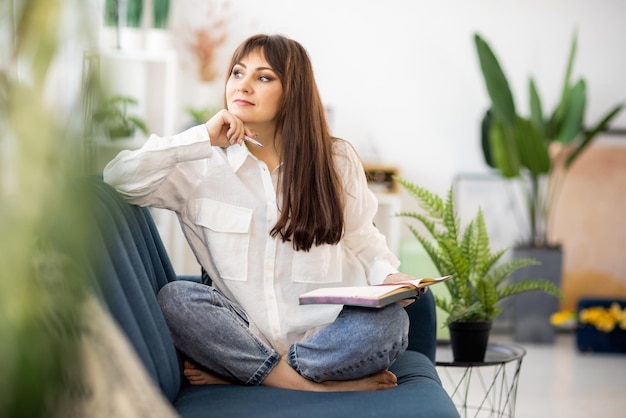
[[401, 277], [397, 277], [226, 129]]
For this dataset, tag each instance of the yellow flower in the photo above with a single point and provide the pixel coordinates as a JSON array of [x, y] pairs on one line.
[[604, 319], [562, 317]]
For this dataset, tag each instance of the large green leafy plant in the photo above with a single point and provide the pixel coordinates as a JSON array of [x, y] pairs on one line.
[[536, 149], [480, 277]]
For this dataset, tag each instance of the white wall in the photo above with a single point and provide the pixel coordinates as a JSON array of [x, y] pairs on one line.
[[402, 77]]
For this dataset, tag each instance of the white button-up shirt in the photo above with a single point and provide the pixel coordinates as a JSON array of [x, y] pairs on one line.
[[227, 202]]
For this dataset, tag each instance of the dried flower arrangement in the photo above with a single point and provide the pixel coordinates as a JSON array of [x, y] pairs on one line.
[[208, 37], [205, 47]]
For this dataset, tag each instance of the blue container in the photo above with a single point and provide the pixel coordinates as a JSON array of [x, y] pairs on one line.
[[590, 339]]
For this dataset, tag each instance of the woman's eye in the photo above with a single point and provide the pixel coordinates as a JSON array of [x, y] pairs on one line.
[[237, 73], [265, 78]]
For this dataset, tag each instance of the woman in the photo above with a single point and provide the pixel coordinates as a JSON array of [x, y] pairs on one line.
[[268, 223]]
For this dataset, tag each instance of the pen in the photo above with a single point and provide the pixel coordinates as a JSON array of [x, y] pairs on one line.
[[254, 141]]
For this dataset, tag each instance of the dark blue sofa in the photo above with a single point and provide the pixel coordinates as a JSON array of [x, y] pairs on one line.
[[130, 265]]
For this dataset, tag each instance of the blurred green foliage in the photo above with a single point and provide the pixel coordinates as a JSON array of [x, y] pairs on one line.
[[42, 137]]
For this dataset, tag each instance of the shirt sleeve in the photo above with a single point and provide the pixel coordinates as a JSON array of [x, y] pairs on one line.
[[361, 235], [147, 176]]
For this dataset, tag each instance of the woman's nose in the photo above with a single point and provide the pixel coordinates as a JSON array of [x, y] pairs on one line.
[[244, 86]]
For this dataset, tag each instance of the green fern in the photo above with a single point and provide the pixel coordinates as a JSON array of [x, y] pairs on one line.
[[480, 278]]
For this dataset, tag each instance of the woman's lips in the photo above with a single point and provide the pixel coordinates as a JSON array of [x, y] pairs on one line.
[[242, 102]]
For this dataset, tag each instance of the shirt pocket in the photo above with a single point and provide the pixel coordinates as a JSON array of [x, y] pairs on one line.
[[321, 264], [227, 233]]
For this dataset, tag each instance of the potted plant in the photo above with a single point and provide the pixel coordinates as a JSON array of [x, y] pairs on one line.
[[122, 23], [113, 118], [111, 24], [131, 35], [536, 151], [480, 275], [125, 19], [157, 36]]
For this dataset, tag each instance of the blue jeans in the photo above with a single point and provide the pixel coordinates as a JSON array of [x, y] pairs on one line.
[[214, 332]]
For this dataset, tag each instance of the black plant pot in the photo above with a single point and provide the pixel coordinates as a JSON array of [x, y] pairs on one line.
[[469, 340]]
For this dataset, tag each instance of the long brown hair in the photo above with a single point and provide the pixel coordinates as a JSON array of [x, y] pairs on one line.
[[311, 211]]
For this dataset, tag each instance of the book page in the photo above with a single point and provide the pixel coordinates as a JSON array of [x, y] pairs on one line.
[[360, 291], [373, 296], [423, 282]]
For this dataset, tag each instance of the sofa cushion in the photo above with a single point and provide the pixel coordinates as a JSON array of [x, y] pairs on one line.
[[419, 394]]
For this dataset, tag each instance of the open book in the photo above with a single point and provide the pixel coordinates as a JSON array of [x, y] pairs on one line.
[[369, 296]]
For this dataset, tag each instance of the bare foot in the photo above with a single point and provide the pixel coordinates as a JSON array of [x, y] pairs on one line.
[[197, 376], [379, 381], [284, 376]]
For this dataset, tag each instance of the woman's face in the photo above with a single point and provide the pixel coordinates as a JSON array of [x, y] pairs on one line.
[[253, 90]]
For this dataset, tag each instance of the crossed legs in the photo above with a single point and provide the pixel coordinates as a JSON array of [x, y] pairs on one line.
[[353, 353]]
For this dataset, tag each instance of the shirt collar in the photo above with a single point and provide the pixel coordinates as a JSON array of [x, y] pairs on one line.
[[237, 154]]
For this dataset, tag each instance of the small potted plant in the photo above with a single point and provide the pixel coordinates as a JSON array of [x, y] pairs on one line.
[[480, 276], [122, 23], [114, 120], [111, 24], [131, 34], [157, 36]]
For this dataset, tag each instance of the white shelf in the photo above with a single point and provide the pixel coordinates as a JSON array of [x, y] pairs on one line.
[[150, 77]]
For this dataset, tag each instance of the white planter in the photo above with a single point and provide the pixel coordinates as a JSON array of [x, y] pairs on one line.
[[131, 39], [158, 40]]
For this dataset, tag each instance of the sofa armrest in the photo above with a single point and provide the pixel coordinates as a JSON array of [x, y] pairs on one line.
[[423, 325]]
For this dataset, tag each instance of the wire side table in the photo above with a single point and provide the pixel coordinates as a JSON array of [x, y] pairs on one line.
[[483, 389]]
